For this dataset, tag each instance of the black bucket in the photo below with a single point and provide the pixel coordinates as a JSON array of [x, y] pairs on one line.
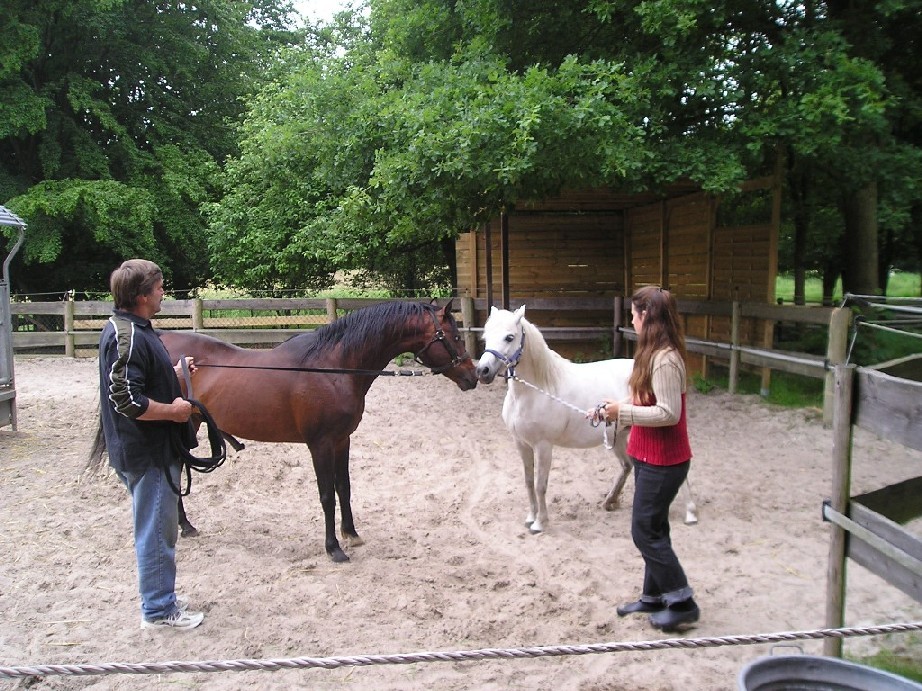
[[809, 673]]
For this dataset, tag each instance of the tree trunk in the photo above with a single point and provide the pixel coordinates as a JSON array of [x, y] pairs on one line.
[[798, 186], [830, 276], [860, 274]]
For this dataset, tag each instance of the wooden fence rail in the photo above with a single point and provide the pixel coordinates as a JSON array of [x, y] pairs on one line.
[[269, 321]]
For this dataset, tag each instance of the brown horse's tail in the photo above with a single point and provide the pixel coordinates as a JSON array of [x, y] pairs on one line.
[[94, 461]]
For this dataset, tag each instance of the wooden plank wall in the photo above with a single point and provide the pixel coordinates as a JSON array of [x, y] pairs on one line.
[[740, 272], [572, 246], [644, 243]]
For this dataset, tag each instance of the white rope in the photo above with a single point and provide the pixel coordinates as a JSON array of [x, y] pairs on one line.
[[895, 307], [889, 328], [456, 656], [608, 444]]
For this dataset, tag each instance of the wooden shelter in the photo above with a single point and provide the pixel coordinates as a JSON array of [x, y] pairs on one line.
[[602, 243], [7, 378]]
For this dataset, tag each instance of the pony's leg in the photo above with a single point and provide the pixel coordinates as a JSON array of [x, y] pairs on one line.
[[323, 455], [186, 529], [528, 465], [544, 451], [344, 492], [613, 498], [691, 509]]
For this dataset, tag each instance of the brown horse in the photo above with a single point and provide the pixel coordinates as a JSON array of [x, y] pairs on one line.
[[312, 388]]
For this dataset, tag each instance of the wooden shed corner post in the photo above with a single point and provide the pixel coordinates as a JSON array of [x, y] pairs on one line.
[[735, 319], [843, 377], [468, 318], [617, 339]]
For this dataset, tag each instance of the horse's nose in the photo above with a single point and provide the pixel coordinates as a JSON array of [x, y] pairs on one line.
[[483, 371]]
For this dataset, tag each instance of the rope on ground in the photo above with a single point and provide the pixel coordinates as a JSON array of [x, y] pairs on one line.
[[457, 656]]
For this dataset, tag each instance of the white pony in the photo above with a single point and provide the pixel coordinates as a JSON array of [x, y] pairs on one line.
[[545, 404]]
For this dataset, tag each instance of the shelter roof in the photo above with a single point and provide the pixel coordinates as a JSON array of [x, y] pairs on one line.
[[8, 218], [603, 199]]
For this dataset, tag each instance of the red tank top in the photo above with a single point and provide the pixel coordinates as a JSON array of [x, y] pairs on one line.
[[661, 445]]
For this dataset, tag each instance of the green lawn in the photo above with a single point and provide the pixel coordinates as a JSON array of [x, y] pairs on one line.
[[901, 284]]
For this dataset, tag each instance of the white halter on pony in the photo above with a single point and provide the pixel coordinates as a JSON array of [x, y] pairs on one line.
[[540, 380]]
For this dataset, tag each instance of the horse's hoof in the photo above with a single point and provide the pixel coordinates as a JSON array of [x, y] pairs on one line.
[[535, 531], [189, 531], [610, 506], [353, 540], [338, 556]]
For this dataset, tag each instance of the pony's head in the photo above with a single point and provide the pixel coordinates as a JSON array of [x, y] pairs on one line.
[[504, 342]]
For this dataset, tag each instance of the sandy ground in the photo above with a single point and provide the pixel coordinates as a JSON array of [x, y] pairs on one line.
[[448, 564]]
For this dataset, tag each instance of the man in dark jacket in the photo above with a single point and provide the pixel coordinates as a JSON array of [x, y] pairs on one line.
[[144, 419]]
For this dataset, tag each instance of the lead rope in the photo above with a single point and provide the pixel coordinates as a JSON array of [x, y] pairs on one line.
[[188, 462], [596, 420]]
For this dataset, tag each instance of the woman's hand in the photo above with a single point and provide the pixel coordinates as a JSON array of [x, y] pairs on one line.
[[606, 411]]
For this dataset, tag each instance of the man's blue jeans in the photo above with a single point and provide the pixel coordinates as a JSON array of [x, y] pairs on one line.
[[655, 486], [156, 528]]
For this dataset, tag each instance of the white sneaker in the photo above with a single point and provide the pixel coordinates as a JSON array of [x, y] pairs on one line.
[[180, 619], [182, 604]]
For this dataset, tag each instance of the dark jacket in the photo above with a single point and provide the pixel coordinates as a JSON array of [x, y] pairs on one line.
[[134, 369]]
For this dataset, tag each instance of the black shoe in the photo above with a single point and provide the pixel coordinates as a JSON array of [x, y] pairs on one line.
[[639, 607], [676, 616]]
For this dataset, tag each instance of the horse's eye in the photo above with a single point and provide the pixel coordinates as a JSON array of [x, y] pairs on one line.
[[510, 338]]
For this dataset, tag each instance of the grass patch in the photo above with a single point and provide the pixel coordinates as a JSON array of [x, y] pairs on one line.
[[789, 390], [903, 664], [901, 284]]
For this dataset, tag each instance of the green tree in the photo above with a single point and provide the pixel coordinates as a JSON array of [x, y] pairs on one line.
[[114, 118]]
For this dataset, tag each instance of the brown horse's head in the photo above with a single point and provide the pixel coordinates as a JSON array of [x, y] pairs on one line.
[[446, 354]]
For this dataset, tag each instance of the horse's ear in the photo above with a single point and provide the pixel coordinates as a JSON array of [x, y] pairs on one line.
[[519, 313], [493, 310]]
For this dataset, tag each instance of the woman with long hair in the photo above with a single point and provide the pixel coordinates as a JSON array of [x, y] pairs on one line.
[[659, 447]]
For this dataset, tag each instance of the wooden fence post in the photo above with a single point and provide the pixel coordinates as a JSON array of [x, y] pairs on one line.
[[836, 352], [69, 347], [735, 318], [467, 316], [198, 321], [331, 310], [617, 338], [843, 377]]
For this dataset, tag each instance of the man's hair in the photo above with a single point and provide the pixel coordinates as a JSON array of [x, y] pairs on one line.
[[134, 278]]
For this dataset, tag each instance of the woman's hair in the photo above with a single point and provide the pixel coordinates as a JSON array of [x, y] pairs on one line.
[[662, 330], [134, 278]]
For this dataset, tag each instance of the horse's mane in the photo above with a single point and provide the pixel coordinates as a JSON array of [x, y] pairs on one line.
[[547, 364], [364, 328]]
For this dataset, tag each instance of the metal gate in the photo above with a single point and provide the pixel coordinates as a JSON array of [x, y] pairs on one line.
[[7, 378]]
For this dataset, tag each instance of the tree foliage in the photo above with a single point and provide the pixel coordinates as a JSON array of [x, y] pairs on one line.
[[114, 118], [372, 142], [440, 114]]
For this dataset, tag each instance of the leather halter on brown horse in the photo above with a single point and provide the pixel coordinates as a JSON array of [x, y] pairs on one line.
[[312, 388]]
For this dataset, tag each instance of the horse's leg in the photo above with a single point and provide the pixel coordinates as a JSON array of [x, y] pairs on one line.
[[528, 465], [691, 509], [323, 455], [544, 452], [613, 498], [344, 492], [186, 529]]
